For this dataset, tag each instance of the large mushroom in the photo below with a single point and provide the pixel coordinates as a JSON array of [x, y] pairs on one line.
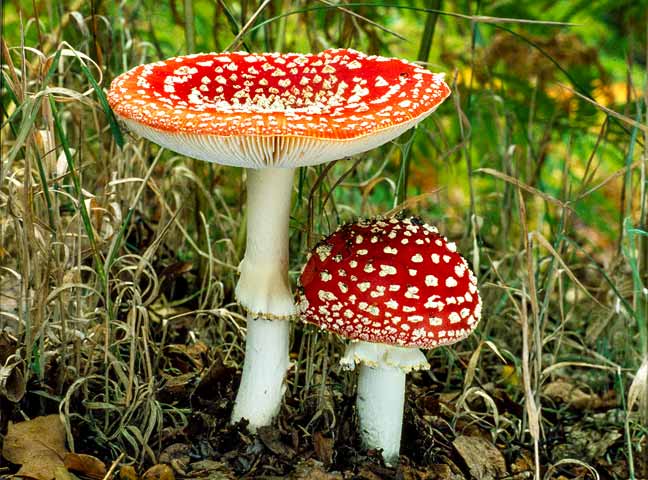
[[271, 113], [392, 287]]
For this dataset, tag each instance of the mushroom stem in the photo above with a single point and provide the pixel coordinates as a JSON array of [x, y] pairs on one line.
[[264, 371], [381, 395], [263, 287], [264, 290], [381, 391]]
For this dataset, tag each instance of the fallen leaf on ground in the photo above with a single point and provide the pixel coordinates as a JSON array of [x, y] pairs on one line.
[[211, 470], [127, 472], [323, 447], [568, 393], [38, 445], [159, 472], [270, 437], [85, 464], [62, 473], [176, 455], [483, 459]]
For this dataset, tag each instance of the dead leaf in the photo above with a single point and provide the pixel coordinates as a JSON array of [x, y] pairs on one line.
[[483, 459], [211, 470], [127, 472], [269, 436], [159, 472], [38, 445], [323, 447], [62, 473], [568, 393], [85, 464], [176, 455], [523, 463], [8, 345], [12, 381]]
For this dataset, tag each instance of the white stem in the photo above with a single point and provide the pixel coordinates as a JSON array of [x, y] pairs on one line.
[[381, 391], [381, 395], [263, 287], [264, 291], [264, 372]]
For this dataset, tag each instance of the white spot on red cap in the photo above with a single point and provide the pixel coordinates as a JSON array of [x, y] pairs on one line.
[[412, 292], [460, 270], [417, 258], [387, 270], [431, 280], [325, 295]]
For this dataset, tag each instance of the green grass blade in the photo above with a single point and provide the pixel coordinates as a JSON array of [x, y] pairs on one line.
[[110, 116]]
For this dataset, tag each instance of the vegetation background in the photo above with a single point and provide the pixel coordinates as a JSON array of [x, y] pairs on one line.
[[118, 259]]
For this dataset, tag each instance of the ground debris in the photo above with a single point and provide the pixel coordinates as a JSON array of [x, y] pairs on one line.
[[159, 472], [586, 442], [38, 445], [440, 471], [313, 470], [323, 447], [271, 439], [177, 456], [128, 472], [483, 459], [12, 379], [86, 465], [563, 391], [210, 470]]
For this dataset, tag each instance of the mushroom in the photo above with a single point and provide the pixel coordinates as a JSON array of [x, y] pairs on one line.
[[392, 287], [271, 113]]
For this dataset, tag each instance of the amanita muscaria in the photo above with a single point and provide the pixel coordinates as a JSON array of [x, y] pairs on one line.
[[392, 287], [271, 113]]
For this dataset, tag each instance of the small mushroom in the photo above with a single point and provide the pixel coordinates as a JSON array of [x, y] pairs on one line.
[[391, 287], [271, 113]]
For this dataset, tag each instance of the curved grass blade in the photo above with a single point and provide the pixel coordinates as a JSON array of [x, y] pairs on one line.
[[110, 116]]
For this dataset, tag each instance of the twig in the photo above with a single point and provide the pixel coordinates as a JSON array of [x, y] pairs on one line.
[[247, 26], [609, 111], [114, 465]]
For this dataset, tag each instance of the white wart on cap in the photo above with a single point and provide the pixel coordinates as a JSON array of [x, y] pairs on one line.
[[275, 110], [395, 282]]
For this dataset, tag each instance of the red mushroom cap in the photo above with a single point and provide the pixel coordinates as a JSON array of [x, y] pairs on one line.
[[396, 282], [343, 96]]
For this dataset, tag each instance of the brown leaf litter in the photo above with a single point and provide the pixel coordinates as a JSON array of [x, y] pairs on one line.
[[37, 445]]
